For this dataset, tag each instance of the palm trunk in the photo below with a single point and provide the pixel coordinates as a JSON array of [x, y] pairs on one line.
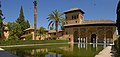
[[56, 28], [35, 17]]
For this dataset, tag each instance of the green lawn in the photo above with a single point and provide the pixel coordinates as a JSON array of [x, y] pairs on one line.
[[21, 42]]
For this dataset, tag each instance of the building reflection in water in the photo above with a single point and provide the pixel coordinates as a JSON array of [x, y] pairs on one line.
[[84, 45]]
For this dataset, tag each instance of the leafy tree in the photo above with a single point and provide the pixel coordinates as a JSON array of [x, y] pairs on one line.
[[28, 37], [27, 24], [55, 18], [14, 30], [51, 28], [21, 20], [41, 31], [1, 23], [62, 24], [35, 17], [118, 17]]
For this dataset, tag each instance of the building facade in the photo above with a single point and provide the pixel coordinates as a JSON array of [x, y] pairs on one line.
[[76, 28]]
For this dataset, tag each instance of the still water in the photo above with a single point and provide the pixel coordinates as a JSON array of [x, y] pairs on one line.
[[61, 50]]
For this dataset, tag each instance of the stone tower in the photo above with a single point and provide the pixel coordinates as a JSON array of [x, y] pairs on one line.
[[74, 16]]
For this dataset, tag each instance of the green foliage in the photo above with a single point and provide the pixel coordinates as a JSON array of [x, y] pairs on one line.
[[35, 3], [21, 21], [14, 30], [54, 19], [1, 22], [52, 37], [20, 42], [117, 45], [51, 28], [28, 37], [41, 31], [118, 18]]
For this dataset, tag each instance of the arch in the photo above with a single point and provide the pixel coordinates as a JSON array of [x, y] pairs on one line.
[[76, 36], [100, 35], [109, 36], [93, 38]]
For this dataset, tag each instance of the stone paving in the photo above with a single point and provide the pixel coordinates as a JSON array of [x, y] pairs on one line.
[[4, 53], [106, 52]]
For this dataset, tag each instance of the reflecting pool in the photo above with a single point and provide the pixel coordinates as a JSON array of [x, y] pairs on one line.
[[59, 50]]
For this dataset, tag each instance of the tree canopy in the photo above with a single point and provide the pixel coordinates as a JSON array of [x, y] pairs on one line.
[[41, 31], [1, 23], [16, 29], [118, 17], [55, 18], [21, 20]]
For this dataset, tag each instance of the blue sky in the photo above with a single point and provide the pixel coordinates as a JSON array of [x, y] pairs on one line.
[[94, 9]]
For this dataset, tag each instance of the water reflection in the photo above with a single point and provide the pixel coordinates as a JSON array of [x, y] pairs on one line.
[[51, 54], [71, 50]]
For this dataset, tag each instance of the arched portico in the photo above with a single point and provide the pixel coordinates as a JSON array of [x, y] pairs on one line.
[[93, 38], [76, 36]]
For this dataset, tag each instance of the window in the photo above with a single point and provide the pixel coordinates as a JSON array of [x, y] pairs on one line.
[[77, 16], [66, 22], [62, 34], [66, 33], [66, 17], [72, 17], [76, 21], [54, 33]]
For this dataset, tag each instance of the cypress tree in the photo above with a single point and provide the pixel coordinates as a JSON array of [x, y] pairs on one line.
[[21, 20], [1, 23], [118, 18]]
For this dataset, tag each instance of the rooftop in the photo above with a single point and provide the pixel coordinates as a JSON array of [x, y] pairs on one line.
[[93, 22], [73, 10], [53, 31]]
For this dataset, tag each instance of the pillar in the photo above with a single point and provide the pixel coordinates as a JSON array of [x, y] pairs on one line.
[[96, 39], [104, 38], [86, 39]]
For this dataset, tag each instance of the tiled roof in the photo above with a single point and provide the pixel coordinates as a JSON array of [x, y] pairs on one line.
[[31, 28], [74, 9], [53, 31], [85, 22], [97, 21]]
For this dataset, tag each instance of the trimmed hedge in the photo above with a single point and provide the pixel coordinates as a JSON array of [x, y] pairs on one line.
[[22, 42]]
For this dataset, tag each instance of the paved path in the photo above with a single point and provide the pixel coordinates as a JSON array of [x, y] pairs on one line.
[[6, 54], [106, 52]]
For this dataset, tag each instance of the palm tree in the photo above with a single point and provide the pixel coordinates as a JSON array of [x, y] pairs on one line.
[[35, 17], [55, 18], [41, 32]]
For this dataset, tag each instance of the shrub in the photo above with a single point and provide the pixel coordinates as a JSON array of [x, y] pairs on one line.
[[117, 45], [52, 37], [13, 38], [28, 37]]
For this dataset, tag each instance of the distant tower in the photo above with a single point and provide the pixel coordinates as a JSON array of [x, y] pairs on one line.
[[74, 16]]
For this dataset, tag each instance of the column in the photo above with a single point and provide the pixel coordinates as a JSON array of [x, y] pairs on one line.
[[104, 38], [86, 39], [96, 39]]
